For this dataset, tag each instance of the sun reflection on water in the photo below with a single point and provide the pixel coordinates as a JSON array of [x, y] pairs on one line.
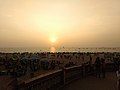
[[52, 49]]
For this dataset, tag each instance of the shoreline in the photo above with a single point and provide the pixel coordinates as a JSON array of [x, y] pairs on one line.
[[60, 49]]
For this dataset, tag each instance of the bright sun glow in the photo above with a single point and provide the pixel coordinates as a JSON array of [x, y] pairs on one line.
[[58, 23], [53, 39]]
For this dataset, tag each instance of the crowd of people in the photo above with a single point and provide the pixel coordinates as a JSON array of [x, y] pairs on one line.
[[19, 64]]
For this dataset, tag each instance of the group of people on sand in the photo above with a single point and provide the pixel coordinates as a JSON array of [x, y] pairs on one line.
[[22, 63]]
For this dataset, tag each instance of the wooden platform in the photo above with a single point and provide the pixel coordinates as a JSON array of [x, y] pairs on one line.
[[93, 83]]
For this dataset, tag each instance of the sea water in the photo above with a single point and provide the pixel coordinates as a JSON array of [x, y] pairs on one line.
[[61, 49]]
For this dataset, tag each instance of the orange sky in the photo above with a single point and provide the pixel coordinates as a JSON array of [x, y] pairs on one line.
[[70, 23]]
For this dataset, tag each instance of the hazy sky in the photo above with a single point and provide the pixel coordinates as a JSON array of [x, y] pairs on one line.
[[74, 23]]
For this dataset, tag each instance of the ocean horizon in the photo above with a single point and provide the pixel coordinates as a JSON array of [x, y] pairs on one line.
[[61, 49]]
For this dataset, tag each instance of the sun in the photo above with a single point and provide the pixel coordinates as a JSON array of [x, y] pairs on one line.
[[53, 39]]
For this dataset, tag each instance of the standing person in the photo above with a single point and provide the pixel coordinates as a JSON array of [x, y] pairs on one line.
[[103, 67], [98, 67], [90, 65]]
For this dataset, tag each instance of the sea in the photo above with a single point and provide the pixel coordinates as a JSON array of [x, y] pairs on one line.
[[61, 49]]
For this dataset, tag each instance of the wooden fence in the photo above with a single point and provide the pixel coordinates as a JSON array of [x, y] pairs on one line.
[[56, 79]]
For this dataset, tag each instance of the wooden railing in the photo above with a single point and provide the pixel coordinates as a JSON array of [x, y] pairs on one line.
[[47, 81], [73, 73], [55, 80]]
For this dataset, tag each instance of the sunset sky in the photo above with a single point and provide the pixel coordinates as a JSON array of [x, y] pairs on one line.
[[69, 23]]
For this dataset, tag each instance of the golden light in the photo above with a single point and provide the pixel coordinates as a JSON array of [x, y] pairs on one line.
[[53, 38], [52, 49]]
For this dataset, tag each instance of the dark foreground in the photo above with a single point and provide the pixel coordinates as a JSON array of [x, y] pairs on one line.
[[93, 83], [60, 69]]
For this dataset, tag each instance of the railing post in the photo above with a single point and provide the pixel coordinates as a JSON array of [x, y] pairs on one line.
[[64, 75], [83, 70]]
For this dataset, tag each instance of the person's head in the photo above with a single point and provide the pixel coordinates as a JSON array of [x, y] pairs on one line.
[[102, 60], [97, 58]]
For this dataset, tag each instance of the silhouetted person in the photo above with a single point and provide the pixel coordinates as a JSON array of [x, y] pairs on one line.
[[98, 67], [103, 67], [90, 65], [53, 65]]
